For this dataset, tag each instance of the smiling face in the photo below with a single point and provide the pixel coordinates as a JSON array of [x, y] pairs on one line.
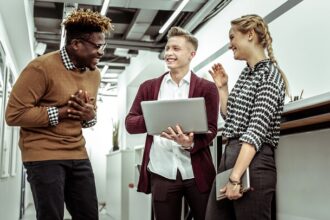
[[178, 53], [240, 43], [90, 50]]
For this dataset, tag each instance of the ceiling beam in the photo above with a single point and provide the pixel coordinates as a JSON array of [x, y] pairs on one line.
[[112, 43], [140, 24], [138, 4], [55, 12]]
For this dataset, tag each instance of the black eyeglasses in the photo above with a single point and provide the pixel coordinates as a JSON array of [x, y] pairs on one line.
[[97, 46]]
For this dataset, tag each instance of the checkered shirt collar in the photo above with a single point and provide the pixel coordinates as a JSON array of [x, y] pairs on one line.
[[66, 60]]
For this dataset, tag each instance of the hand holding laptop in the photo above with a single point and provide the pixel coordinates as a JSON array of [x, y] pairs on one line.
[[223, 178], [176, 134]]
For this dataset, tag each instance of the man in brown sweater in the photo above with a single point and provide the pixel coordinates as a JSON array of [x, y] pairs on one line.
[[52, 100]]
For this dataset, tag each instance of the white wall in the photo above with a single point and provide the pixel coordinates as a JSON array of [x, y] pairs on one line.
[[300, 42], [10, 60], [99, 142], [219, 26], [10, 186], [303, 162]]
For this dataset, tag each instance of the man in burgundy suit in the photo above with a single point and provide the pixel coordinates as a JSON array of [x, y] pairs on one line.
[[176, 164]]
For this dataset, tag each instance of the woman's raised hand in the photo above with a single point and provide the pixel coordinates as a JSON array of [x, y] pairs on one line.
[[219, 75]]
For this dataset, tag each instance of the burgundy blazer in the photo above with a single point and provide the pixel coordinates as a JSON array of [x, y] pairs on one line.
[[201, 159]]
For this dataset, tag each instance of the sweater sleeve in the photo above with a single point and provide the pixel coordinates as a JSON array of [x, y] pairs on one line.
[[134, 121], [23, 109], [88, 124], [212, 108]]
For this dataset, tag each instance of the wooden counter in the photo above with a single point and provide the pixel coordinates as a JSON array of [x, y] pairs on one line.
[[306, 114]]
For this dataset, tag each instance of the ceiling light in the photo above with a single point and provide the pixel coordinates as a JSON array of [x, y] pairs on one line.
[[111, 75], [105, 7], [40, 48], [173, 16], [114, 80], [121, 52]]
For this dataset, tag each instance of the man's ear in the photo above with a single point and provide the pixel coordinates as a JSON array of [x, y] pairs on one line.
[[74, 43], [193, 53]]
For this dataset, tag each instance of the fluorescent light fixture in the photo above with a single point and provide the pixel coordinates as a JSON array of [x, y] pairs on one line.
[[112, 75], [173, 16], [104, 70], [105, 7], [40, 48], [122, 52], [112, 80]]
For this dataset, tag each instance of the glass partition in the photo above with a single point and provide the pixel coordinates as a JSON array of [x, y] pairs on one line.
[[7, 151], [11, 133], [6, 130], [2, 67], [2, 84], [14, 151]]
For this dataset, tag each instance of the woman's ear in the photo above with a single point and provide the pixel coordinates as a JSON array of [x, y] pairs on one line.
[[251, 34]]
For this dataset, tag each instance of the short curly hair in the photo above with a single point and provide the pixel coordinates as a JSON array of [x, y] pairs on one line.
[[82, 22]]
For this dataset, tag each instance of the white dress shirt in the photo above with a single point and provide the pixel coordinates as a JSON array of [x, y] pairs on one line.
[[166, 156]]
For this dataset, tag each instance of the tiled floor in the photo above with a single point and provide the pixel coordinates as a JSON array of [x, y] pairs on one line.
[[30, 214]]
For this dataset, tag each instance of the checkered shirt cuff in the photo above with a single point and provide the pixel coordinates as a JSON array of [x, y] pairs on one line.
[[88, 124], [53, 115]]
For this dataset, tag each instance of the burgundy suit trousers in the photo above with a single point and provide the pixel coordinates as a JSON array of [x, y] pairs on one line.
[[167, 197]]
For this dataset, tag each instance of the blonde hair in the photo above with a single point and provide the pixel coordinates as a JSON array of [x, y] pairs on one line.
[[85, 21], [178, 31], [256, 23]]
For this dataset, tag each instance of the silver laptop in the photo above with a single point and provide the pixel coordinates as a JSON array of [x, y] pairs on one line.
[[190, 114]]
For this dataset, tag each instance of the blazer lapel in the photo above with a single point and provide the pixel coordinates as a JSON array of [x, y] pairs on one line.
[[193, 80], [157, 86]]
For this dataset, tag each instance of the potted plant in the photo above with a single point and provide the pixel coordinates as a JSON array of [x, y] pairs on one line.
[[115, 136]]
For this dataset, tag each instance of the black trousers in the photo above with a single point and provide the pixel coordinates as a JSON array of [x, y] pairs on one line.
[[167, 197], [58, 181], [255, 204]]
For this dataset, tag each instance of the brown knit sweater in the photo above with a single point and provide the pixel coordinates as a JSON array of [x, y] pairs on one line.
[[45, 82]]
